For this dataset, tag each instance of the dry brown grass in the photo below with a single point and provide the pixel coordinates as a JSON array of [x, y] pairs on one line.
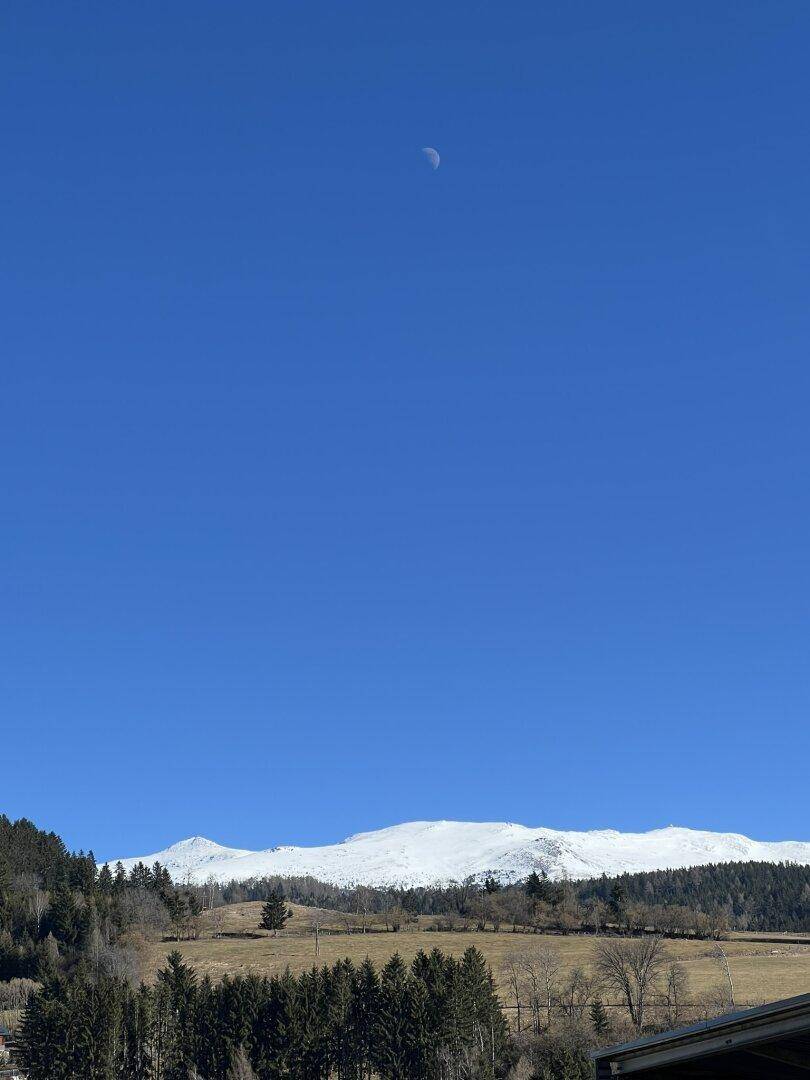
[[761, 971]]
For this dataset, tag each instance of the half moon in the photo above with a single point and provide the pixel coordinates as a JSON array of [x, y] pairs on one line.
[[432, 156]]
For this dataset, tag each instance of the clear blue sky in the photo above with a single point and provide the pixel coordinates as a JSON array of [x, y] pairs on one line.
[[338, 492]]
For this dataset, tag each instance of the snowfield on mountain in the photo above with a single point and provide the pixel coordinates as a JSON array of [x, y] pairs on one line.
[[436, 852]]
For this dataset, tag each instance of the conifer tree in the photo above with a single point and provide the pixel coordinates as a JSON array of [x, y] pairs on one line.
[[311, 1052], [340, 990], [136, 1043], [484, 1025], [599, 1019], [140, 876], [47, 959], [274, 913], [120, 878], [618, 902], [365, 1007], [105, 880], [43, 1035], [421, 1041], [63, 916], [391, 1035], [537, 887], [178, 912], [334, 1022], [176, 998], [93, 1032]]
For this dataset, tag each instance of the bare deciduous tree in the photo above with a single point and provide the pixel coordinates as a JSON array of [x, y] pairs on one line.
[[541, 968], [210, 889], [721, 959], [38, 905], [216, 922], [512, 970], [15, 993], [363, 898], [631, 969], [676, 988], [29, 886], [317, 920], [576, 992], [241, 1069], [596, 913]]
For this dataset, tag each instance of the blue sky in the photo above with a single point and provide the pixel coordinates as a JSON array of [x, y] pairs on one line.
[[338, 492]]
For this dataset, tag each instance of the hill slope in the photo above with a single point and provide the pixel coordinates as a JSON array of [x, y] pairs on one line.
[[431, 852]]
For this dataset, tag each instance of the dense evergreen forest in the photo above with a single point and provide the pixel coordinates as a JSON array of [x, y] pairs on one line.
[[749, 896], [440, 1018]]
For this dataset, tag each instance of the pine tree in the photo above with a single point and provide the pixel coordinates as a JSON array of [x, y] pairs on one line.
[[274, 913], [537, 887], [420, 1044], [120, 878], [366, 1000], [532, 885], [47, 959], [391, 1036], [140, 876], [340, 989], [96, 1012], [278, 1028], [137, 1028], [599, 1019], [483, 1025], [105, 880], [618, 902], [176, 999], [311, 1054], [63, 916], [178, 913], [43, 1035]]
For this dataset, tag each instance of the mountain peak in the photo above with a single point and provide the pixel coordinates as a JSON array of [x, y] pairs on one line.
[[433, 852]]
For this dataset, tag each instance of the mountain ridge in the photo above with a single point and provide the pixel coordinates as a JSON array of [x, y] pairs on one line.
[[422, 853]]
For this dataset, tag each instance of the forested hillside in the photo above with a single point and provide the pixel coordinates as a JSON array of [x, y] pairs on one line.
[[702, 901], [59, 914], [749, 896]]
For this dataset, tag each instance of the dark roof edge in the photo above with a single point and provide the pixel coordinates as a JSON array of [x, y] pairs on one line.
[[772, 1011]]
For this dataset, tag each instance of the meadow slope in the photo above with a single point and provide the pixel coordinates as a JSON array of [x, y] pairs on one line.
[[762, 970]]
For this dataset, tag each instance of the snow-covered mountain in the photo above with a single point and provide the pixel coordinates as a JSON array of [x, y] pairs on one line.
[[186, 856], [432, 852]]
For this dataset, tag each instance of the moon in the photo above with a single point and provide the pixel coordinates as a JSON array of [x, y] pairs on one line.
[[432, 156]]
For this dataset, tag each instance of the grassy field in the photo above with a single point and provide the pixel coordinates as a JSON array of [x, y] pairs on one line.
[[762, 971]]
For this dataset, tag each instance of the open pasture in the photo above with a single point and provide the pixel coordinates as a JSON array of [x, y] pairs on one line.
[[762, 971]]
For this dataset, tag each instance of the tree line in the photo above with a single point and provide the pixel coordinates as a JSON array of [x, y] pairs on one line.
[[746, 896], [437, 1019], [58, 912], [701, 902]]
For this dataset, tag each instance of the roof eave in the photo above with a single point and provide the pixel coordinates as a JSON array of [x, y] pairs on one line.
[[712, 1036]]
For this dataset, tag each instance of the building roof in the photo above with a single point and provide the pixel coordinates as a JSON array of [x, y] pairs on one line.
[[772, 1041]]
